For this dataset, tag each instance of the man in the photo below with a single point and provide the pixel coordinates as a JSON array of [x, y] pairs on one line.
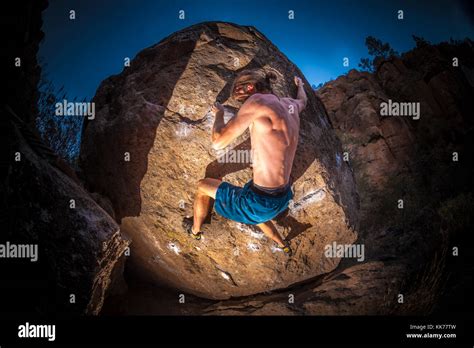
[[274, 127]]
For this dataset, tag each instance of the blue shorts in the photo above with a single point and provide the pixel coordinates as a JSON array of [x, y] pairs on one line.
[[247, 205]]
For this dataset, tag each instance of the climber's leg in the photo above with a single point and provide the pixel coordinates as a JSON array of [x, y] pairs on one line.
[[206, 190], [271, 232]]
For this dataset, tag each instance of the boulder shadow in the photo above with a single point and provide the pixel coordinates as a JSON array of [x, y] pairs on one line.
[[218, 169], [296, 228], [119, 181]]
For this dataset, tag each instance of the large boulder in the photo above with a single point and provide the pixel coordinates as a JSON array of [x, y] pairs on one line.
[[149, 144]]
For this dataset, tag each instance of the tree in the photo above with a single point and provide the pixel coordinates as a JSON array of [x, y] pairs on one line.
[[61, 133], [456, 42], [420, 41], [378, 50], [366, 64]]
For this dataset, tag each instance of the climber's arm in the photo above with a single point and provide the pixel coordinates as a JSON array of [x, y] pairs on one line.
[[301, 98], [223, 134]]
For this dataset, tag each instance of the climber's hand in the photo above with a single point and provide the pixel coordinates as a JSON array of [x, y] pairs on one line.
[[217, 107], [298, 81]]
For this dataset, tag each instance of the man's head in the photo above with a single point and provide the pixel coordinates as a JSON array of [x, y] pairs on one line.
[[249, 82]]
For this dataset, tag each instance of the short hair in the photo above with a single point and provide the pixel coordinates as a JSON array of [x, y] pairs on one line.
[[258, 78]]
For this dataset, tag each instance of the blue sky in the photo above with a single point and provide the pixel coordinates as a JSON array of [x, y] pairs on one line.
[[81, 53]]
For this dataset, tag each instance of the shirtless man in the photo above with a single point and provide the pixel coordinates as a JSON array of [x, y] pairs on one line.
[[274, 127]]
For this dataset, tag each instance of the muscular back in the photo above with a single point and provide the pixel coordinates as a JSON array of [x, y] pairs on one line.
[[274, 136]]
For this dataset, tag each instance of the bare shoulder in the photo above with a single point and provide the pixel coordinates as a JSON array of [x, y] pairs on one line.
[[259, 104], [261, 99], [263, 103]]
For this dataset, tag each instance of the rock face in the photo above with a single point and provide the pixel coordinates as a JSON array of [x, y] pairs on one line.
[[150, 144], [77, 247], [382, 146], [379, 145], [78, 242]]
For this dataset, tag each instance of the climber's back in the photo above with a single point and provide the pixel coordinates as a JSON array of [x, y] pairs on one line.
[[274, 137]]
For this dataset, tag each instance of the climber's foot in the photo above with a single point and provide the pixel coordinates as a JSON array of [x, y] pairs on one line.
[[188, 227], [286, 248]]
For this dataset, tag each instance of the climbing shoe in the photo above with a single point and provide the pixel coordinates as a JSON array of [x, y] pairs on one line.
[[287, 249], [188, 227]]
